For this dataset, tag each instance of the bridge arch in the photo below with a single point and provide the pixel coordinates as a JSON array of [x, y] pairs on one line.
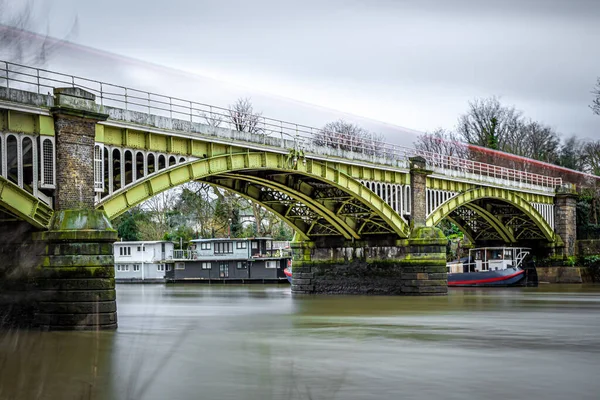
[[340, 205], [469, 199], [22, 205]]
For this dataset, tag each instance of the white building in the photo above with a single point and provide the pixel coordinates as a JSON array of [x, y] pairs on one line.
[[142, 261]]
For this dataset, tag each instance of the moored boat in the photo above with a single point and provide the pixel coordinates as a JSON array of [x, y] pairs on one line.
[[288, 274], [492, 266]]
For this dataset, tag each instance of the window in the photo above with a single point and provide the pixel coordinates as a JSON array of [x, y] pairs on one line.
[[241, 245], [223, 247], [123, 267], [169, 267], [98, 169], [120, 251], [224, 270], [206, 265], [125, 251], [254, 245], [179, 265], [270, 264], [47, 172], [136, 267], [205, 246], [241, 265], [160, 267], [139, 248]]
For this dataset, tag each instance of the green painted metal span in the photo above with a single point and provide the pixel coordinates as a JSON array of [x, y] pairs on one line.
[[505, 195], [504, 232], [303, 198], [23, 205], [236, 164]]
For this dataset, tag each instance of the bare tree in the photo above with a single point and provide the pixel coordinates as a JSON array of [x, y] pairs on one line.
[[158, 208], [539, 142], [243, 118], [596, 102], [571, 154], [19, 43], [591, 152], [487, 121], [442, 142], [347, 136], [212, 119]]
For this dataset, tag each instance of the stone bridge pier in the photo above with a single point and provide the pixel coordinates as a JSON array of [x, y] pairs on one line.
[[378, 265], [63, 278]]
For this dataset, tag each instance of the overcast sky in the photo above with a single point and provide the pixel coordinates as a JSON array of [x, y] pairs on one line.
[[414, 64]]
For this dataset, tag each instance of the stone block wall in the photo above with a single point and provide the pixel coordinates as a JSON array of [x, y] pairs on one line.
[[416, 266], [565, 221], [75, 138], [20, 258]]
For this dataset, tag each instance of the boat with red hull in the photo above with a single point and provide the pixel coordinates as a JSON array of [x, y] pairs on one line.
[[492, 266], [507, 277], [288, 274]]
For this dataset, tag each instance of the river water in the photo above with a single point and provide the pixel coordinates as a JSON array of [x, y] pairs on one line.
[[259, 342]]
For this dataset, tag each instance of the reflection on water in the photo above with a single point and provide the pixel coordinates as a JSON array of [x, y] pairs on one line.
[[259, 342]]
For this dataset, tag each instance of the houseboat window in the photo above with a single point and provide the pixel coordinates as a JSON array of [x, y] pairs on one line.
[[254, 245], [179, 265], [241, 245], [136, 267], [124, 267], [168, 267], [120, 251], [271, 264], [206, 265], [141, 248], [160, 267], [223, 247], [204, 246], [224, 270], [241, 265]]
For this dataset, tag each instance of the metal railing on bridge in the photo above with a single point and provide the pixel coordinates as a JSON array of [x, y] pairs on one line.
[[306, 138]]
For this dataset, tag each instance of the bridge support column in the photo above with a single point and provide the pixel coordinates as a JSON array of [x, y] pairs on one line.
[[416, 266], [19, 262], [565, 218], [77, 275], [418, 191]]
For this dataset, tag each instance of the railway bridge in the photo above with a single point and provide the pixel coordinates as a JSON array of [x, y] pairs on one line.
[[76, 153]]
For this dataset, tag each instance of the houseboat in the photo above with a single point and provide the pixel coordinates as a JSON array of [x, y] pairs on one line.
[[231, 260], [142, 261], [493, 266]]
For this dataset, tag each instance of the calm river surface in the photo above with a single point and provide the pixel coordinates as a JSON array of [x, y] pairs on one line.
[[259, 342]]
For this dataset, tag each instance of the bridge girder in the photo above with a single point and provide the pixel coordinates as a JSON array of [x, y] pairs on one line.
[[340, 204], [23, 206], [498, 214]]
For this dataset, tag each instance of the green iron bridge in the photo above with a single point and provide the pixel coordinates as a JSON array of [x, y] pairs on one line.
[[76, 153]]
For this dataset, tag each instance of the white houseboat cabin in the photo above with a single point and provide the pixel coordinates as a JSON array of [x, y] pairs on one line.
[[142, 261]]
